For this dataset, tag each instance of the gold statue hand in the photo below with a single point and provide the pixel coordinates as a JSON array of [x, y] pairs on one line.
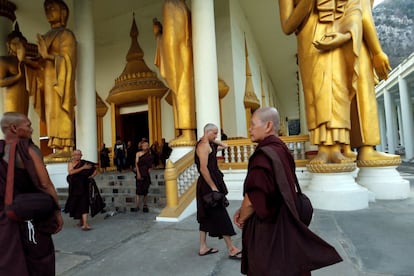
[[381, 65], [332, 41], [42, 46]]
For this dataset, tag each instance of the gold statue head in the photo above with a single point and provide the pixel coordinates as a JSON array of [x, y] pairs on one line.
[[50, 7], [15, 41]]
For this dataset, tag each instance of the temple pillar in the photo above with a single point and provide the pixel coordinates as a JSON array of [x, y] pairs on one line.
[[154, 119], [383, 128], [390, 121], [407, 118], [86, 130], [205, 64]]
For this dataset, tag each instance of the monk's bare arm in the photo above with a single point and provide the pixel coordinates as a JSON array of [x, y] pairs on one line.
[[203, 151], [72, 170], [220, 144], [137, 156], [46, 184], [245, 211], [291, 16]]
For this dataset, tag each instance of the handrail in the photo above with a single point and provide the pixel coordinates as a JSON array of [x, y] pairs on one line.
[[236, 156], [180, 177]]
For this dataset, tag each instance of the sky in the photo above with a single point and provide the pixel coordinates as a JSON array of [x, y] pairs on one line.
[[376, 2]]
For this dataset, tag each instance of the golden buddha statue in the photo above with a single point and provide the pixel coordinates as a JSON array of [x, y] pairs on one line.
[[174, 57], [336, 40], [57, 49], [13, 75]]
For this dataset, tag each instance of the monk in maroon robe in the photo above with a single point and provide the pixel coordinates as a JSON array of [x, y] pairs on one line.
[[275, 241], [20, 253]]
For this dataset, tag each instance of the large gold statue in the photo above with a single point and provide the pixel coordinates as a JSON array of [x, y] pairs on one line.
[[12, 74], [174, 57], [58, 51], [337, 42]]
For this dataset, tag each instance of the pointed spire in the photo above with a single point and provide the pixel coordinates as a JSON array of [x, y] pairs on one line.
[[250, 98], [136, 82]]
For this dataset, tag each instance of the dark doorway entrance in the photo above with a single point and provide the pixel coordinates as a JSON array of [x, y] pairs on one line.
[[134, 127]]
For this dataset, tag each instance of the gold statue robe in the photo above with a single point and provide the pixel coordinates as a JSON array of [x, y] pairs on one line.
[[329, 77], [174, 57], [59, 87]]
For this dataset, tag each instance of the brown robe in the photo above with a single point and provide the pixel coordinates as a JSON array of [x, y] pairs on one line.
[[213, 220], [77, 202], [275, 241]]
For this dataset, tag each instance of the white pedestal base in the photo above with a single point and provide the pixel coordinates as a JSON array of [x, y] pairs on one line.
[[58, 173], [304, 177], [384, 182], [336, 192]]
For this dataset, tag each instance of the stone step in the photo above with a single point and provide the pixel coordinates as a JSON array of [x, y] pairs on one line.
[[118, 190]]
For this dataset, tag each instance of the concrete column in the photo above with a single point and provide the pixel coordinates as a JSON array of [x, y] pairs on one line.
[[400, 130], [86, 133], [383, 128], [389, 118], [406, 118], [205, 64]]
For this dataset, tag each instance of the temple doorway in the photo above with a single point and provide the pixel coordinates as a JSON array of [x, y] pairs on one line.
[[134, 127]]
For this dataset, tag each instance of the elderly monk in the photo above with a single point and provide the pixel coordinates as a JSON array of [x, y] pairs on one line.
[[24, 252], [275, 241]]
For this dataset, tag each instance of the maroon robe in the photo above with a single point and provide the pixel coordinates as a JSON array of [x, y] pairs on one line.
[[19, 256], [275, 242], [213, 220]]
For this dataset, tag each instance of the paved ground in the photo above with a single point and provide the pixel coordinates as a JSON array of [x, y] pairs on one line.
[[378, 241]]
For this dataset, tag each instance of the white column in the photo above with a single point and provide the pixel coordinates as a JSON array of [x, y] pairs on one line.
[[406, 118], [86, 133], [383, 128], [389, 115], [205, 64], [400, 136]]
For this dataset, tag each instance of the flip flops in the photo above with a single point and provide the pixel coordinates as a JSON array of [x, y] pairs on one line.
[[208, 252], [236, 256]]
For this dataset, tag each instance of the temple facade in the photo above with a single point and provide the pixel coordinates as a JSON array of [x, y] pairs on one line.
[[236, 45]]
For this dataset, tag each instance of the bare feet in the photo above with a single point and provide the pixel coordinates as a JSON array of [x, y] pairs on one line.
[[86, 228]]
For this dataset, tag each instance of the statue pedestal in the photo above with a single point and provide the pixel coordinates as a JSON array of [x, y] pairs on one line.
[[58, 173], [178, 152], [384, 182], [336, 192]]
